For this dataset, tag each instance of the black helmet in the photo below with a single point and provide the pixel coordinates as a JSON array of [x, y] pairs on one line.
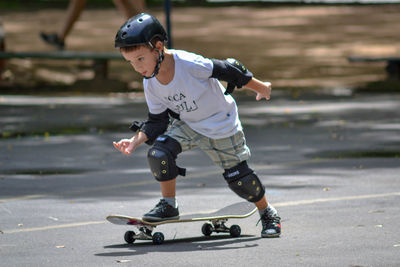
[[139, 30]]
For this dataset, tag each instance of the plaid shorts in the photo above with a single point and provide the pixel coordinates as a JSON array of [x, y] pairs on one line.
[[225, 152]]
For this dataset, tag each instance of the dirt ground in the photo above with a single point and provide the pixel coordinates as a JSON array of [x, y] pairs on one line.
[[294, 47]]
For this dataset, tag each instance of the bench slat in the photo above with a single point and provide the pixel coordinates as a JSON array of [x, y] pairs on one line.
[[374, 59], [392, 64], [64, 55]]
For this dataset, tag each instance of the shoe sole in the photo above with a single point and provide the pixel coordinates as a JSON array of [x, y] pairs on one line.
[[271, 236], [156, 219]]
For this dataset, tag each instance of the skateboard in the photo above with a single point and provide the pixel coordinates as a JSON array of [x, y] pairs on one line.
[[216, 222]]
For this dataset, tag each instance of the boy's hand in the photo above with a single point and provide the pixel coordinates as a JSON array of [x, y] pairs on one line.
[[125, 146], [263, 89], [265, 92]]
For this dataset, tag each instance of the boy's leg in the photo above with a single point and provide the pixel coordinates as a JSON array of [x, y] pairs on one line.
[[168, 188], [271, 222], [162, 161], [166, 208], [245, 183], [231, 154], [262, 204]]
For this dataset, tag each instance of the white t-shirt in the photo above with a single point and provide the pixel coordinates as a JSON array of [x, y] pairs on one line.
[[197, 98]]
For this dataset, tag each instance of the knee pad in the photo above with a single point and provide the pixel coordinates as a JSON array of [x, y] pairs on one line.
[[162, 158], [244, 182]]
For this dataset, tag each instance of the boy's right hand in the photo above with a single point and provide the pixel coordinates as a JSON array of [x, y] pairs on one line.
[[125, 146], [265, 92]]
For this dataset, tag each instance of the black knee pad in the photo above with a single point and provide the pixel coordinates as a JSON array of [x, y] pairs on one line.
[[162, 158], [244, 182]]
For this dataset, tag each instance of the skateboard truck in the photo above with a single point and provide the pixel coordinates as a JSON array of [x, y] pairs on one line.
[[218, 226], [145, 233]]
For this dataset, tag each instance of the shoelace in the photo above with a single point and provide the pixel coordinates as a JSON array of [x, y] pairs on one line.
[[162, 205], [268, 220]]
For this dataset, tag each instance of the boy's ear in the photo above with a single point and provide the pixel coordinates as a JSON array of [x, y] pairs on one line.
[[159, 45]]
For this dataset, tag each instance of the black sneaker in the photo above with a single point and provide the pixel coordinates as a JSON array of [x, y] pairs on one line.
[[271, 225], [52, 39], [162, 212]]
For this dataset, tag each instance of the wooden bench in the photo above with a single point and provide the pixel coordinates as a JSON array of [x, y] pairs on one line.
[[99, 59], [392, 67]]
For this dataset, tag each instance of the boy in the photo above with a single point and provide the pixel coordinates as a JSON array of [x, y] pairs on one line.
[[185, 86]]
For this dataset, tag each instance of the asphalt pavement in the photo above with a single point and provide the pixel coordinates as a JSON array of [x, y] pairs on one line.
[[330, 164]]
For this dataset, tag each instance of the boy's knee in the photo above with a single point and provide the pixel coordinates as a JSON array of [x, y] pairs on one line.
[[244, 182], [162, 159]]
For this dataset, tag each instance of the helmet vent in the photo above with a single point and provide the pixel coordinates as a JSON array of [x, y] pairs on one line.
[[139, 30]]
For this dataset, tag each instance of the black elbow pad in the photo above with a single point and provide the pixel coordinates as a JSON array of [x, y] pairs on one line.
[[231, 71], [136, 126], [155, 125]]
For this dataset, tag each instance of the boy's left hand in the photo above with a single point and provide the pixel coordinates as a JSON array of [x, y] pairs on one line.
[[265, 92]]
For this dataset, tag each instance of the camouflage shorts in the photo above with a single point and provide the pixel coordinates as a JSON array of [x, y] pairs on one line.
[[225, 152]]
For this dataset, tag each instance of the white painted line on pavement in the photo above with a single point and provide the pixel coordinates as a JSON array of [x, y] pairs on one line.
[[3, 200], [34, 229], [321, 200]]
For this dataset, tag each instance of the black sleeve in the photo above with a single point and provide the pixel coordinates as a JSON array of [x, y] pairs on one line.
[[231, 71], [155, 125]]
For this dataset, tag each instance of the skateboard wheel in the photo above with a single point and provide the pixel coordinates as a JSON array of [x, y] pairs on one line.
[[129, 237], [207, 229], [158, 238], [235, 230]]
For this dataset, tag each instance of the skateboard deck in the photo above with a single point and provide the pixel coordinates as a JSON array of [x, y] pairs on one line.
[[216, 222]]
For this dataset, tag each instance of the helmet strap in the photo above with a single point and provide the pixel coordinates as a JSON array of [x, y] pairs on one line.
[[158, 65]]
